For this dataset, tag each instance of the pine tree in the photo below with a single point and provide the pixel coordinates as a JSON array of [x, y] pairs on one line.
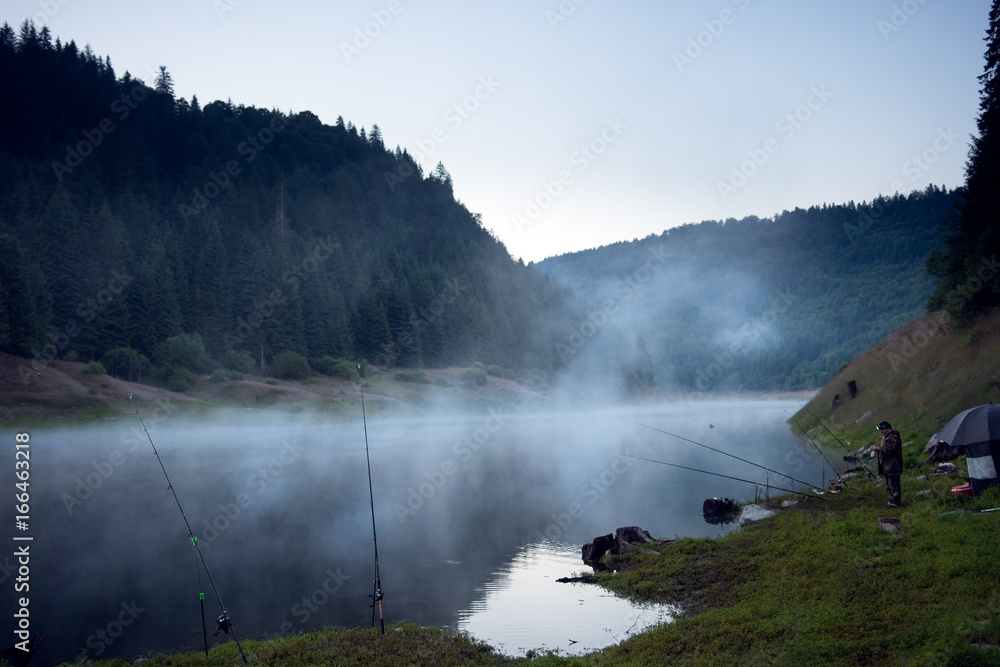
[[968, 281], [164, 83]]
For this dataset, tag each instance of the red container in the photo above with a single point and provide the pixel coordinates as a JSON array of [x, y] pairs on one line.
[[963, 490]]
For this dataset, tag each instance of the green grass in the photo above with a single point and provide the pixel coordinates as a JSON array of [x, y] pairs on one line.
[[825, 584], [403, 644], [915, 381]]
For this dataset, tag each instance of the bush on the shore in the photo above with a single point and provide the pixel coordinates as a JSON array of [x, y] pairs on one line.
[[335, 367], [290, 365]]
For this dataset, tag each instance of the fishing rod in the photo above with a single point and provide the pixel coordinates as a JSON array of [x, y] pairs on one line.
[[708, 472], [377, 592], [846, 448], [818, 448], [225, 622], [719, 451]]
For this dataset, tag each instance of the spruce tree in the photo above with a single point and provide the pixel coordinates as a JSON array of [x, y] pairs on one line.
[[968, 281]]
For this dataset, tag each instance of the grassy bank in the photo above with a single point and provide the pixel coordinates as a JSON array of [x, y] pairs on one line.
[[918, 378], [824, 584]]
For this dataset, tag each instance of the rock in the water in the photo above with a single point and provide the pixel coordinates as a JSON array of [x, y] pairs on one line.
[[628, 534], [593, 551], [619, 543], [789, 503], [754, 514]]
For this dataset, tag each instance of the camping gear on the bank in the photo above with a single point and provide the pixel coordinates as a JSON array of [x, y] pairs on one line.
[[962, 490], [977, 430]]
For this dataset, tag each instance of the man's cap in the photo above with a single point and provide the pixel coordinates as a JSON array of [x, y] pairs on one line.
[[882, 425]]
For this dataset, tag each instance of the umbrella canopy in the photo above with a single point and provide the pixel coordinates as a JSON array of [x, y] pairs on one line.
[[978, 430]]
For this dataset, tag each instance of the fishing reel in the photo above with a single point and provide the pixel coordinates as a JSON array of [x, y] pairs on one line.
[[224, 624]]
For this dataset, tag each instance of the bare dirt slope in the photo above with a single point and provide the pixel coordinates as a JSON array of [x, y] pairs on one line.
[[32, 393]]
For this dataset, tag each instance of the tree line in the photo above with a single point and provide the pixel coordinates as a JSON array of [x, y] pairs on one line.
[[166, 234]]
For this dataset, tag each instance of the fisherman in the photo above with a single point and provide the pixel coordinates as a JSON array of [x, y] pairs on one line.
[[890, 461]]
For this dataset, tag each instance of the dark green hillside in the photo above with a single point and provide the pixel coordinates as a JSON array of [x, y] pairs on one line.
[[129, 217], [765, 304]]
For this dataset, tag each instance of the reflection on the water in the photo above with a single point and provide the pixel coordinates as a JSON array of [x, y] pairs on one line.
[[523, 607], [718, 511]]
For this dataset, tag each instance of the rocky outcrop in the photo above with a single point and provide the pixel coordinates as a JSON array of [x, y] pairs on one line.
[[619, 543], [754, 514]]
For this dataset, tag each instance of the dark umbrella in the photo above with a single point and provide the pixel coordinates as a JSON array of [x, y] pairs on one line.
[[978, 430]]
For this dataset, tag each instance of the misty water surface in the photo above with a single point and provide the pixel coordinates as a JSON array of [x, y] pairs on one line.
[[464, 502]]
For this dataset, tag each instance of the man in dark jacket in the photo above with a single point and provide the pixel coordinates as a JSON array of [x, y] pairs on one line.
[[890, 461]]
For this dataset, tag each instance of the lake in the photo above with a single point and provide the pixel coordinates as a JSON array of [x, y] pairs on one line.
[[478, 513]]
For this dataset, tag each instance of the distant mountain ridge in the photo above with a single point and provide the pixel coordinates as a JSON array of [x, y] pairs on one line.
[[762, 304]]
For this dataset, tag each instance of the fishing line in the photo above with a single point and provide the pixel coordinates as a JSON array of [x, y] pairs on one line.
[[818, 448], [708, 472], [846, 448], [719, 451], [225, 622], [377, 592]]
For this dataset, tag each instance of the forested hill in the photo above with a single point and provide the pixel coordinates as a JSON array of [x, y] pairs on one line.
[[761, 304], [130, 218]]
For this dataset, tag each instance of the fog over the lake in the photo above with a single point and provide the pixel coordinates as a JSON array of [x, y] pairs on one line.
[[280, 507]]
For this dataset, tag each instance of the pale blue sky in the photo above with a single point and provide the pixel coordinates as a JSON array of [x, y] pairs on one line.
[[874, 83]]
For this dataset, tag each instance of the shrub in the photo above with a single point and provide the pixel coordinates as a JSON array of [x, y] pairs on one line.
[[183, 351], [218, 375], [418, 377], [270, 381], [290, 365], [533, 378], [235, 375], [494, 370], [441, 382], [473, 377], [480, 366], [336, 367], [178, 379], [238, 360], [95, 368]]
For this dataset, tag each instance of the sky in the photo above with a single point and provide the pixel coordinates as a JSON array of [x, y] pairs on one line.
[[572, 124]]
